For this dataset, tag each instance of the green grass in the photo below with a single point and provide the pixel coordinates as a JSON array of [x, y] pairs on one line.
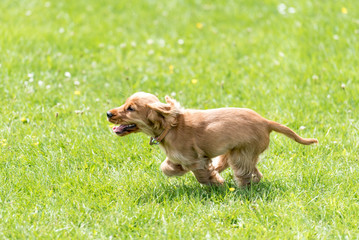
[[69, 177]]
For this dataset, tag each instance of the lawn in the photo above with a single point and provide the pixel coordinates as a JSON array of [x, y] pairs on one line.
[[63, 64]]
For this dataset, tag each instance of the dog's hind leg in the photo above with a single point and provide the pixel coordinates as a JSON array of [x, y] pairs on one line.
[[243, 162], [207, 174]]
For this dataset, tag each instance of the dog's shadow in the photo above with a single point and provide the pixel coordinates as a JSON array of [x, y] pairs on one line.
[[263, 191]]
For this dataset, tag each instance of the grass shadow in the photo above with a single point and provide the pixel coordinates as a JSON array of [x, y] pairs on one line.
[[263, 191]]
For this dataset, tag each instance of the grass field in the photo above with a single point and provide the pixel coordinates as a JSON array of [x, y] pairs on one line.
[[63, 64]]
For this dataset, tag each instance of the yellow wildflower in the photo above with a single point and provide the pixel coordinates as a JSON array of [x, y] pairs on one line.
[[24, 120], [194, 81], [199, 25], [171, 67], [231, 189], [77, 92], [344, 10]]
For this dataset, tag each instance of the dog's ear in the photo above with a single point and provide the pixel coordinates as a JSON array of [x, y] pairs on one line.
[[173, 103], [158, 113], [160, 108]]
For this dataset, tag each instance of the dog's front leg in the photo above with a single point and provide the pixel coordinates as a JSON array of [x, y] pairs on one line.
[[171, 169]]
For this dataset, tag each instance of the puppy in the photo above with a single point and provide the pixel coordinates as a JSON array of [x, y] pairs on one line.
[[205, 142]]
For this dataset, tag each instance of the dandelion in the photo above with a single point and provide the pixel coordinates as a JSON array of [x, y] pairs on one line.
[[77, 92], [194, 81], [199, 25], [231, 189], [24, 120], [344, 10], [67, 74], [180, 41], [343, 86], [171, 67]]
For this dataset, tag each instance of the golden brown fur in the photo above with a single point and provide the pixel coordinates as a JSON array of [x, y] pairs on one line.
[[205, 142]]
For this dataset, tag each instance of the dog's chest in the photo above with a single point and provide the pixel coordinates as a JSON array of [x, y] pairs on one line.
[[176, 156]]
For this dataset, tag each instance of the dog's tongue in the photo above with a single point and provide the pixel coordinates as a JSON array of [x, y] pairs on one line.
[[118, 129]]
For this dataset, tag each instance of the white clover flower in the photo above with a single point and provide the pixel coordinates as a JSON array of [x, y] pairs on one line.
[[47, 4], [67, 74], [282, 8], [122, 45], [40, 83], [61, 30], [149, 41], [30, 75], [302, 128], [291, 10], [48, 86], [133, 44], [161, 42], [180, 41], [77, 83]]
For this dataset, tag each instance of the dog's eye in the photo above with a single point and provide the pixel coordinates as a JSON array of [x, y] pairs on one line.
[[130, 109]]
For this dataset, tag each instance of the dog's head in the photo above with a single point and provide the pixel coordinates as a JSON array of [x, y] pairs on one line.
[[143, 112]]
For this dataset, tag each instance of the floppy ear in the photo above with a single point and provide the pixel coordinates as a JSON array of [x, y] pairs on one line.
[[160, 108], [158, 113], [173, 103]]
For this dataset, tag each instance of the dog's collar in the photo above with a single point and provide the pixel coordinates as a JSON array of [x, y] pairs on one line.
[[157, 140]]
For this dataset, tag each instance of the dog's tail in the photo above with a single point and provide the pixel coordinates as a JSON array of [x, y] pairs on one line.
[[274, 126]]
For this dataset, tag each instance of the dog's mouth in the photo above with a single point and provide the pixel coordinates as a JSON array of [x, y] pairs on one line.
[[125, 129]]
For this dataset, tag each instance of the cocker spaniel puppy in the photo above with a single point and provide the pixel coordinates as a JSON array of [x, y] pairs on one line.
[[205, 142]]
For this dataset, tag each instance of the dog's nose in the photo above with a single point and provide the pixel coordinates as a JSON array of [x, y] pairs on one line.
[[109, 114]]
